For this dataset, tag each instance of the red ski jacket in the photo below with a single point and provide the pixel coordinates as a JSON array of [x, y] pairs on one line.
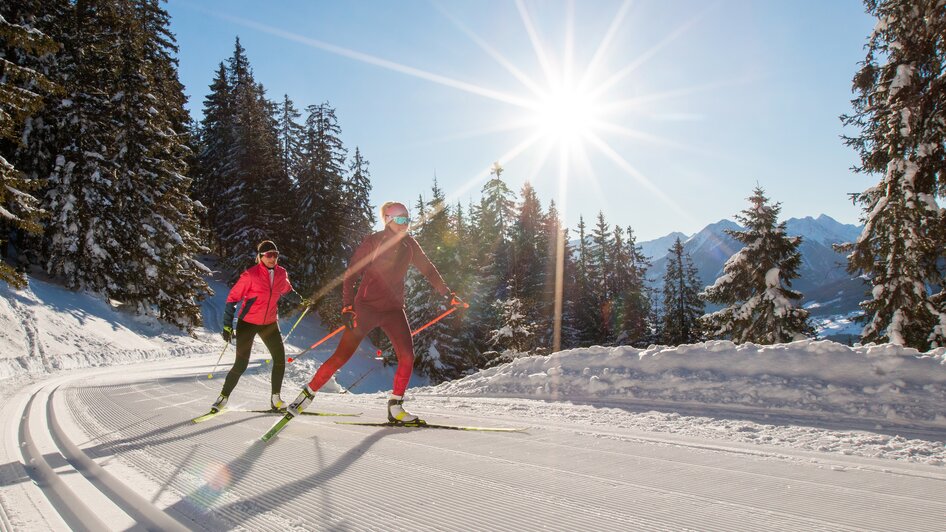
[[381, 261], [258, 294]]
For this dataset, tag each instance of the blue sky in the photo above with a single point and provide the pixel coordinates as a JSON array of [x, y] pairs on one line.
[[692, 103]]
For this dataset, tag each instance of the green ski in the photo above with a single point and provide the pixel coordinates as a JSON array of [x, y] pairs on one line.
[[208, 415], [277, 427], [430, 426], [283, 411]]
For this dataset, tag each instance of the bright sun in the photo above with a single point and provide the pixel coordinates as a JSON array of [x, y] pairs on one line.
[[565, 116]]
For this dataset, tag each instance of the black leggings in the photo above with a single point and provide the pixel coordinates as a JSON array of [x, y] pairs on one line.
[[245, 334]]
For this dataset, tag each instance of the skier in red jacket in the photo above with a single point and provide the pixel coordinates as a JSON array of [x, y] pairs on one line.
[[259, 288], [381, 261]]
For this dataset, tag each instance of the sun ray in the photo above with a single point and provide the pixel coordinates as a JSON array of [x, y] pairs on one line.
[[373, 60], [498, 57], [604, 44], [569, 50], [609, 152], [636, 102], [475, 133], [660, 141], [504, 159], [647, 55], [536, 42]]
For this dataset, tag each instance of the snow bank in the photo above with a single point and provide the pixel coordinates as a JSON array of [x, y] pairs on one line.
[[885, 383], [46, 328]]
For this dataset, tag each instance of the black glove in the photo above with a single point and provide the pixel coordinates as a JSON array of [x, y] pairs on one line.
[[227, 333], [349, 318]]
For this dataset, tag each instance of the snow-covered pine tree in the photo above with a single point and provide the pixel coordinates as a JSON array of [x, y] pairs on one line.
[[21, 95], [439, 351], [491, 223], [290, 135], [258, 174], [515, 336], [530, 255], [755, 288], [161, 276], [588, 299], [214, 170], [357, 195], [682, 306], [600, 294], [899, 110], [634, 314], [322, 211]]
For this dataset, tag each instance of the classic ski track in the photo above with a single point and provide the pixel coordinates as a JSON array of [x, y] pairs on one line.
[[71, 505], [250, 495], [589, 508]]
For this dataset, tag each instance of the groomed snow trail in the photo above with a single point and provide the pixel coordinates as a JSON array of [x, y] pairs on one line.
[[116, 446]]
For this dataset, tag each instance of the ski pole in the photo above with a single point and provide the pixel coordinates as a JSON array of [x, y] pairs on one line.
[[211, 374], [286, 339], [413, 334], [320, 342]]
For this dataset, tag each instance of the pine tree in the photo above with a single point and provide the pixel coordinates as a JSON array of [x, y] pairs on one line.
[[322, 212], [682, 305], [634, 317], [440, 351], [161, 276], [214, 168], [357, 197], [111, 150], [516, 334], [21, 95], [755, 287], [290, 135], [900, 113]]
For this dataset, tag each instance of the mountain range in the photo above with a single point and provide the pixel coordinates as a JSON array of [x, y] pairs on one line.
[[827, 288]]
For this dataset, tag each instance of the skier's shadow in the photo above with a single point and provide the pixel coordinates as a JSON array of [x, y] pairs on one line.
[[239, 468]]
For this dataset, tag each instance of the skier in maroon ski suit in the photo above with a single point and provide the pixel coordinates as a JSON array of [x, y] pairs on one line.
[[381, 261]]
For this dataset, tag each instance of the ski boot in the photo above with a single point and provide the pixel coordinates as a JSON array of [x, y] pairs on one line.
[[301, 402], [219, 404], [276, 403], [399, 416]]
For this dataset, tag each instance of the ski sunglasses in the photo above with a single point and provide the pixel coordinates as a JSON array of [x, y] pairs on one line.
[[270, 254], [400, 220]]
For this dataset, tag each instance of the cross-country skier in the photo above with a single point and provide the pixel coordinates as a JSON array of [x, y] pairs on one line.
[[381, 262], [259, 288]]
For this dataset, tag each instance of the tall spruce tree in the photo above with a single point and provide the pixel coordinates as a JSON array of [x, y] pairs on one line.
[[900, 112], [682, 305], [634, 315], [21, 95], [214, 169], [323, 213], [290, 135], [440, 351], [111, 151], [755, 288]]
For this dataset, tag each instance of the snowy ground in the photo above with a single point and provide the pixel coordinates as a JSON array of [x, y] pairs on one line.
[[802, 436]]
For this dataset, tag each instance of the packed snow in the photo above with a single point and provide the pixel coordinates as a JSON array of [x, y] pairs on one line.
[[788, 411]]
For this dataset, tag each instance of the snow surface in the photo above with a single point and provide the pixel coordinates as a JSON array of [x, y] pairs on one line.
[[800, 436]]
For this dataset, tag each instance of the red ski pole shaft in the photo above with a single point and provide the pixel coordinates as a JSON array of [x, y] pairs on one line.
[[438, 318], [320, 342]]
